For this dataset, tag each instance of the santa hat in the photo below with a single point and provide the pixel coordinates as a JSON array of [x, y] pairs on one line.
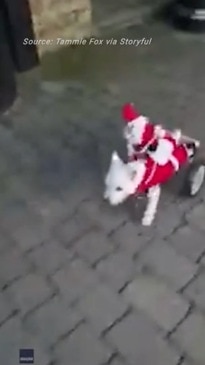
[[129, 113], [145, 131]]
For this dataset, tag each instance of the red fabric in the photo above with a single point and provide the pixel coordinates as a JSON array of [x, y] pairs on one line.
[[169, 137], [129, 113], [161, 174], [147, 137]]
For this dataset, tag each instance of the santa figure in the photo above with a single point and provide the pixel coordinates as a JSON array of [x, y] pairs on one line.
[[144, 137]]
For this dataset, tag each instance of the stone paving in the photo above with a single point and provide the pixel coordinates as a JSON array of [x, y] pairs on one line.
[[81, 283]]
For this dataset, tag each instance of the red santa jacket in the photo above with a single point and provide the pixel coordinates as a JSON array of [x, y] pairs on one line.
[[154, 174]]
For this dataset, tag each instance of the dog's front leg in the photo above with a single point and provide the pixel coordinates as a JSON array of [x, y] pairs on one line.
[[151, 209]]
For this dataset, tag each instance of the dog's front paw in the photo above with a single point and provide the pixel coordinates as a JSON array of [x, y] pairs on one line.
[[146, 221]]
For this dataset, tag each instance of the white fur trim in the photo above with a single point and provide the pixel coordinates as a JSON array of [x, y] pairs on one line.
[[150, 177], [174, 162], [163, 152]]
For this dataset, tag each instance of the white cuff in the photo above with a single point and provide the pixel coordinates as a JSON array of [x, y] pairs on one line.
[[174, 162]]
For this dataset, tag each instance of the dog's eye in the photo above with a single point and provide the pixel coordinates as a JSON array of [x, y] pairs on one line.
[[118, 188]]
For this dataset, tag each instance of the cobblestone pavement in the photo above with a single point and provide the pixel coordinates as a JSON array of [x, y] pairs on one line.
[[81, 283]]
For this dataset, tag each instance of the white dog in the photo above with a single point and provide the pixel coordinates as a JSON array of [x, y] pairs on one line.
[[143, 176], [122, 181]]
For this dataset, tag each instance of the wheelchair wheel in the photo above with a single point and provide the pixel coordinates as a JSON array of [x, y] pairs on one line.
[[195, 179]]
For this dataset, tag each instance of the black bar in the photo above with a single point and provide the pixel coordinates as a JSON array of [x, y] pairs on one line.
[[15, 26]]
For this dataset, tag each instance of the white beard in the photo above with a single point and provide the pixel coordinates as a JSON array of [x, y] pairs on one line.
[[133, 133]]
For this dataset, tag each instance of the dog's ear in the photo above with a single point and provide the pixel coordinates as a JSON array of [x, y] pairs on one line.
[[115, 156]]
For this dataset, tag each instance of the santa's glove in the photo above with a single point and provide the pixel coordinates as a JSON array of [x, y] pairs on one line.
[[159, 131]]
